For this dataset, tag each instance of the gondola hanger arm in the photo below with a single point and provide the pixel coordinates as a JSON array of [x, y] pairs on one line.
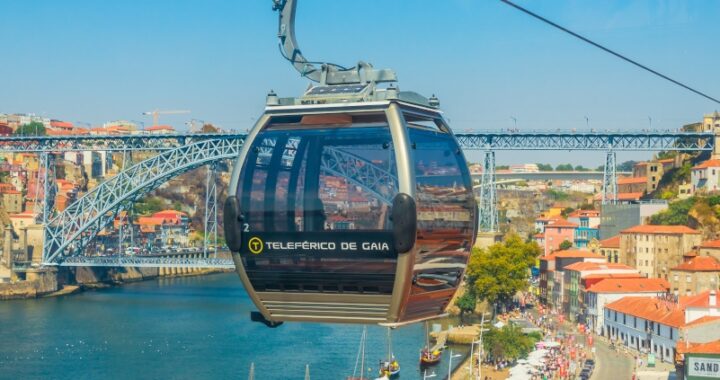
[[327, 73]]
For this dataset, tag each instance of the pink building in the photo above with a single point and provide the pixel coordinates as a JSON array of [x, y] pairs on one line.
[[556, 232]]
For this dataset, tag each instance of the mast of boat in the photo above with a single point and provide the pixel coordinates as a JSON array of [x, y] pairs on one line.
[[427, 336], [360, 358], [389, 338], [307, 371], [362, 361], [251, 376]]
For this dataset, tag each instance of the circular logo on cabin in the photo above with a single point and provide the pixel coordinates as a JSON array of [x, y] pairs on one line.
[[255, 245]]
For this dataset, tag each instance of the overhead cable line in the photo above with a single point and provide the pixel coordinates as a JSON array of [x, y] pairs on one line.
[[597, 45]]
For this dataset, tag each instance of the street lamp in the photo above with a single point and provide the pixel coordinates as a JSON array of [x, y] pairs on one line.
[[450, 363], [514, 119], [479, 350]]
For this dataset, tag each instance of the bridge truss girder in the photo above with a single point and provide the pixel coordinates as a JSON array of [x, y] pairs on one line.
[[133, 142], [650, 141], [497, 140]]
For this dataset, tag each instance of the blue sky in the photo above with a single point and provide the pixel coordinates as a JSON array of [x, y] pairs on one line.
[[94, 61]]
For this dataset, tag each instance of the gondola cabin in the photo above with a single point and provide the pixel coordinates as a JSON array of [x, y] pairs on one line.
[[350, 204]]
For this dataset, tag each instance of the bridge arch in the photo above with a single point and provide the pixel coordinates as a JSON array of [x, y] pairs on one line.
[[68, 232]]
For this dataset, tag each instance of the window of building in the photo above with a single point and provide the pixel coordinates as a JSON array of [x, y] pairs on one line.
[[688, 278], [675, 278]]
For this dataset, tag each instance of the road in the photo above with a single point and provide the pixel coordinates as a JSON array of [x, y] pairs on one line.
[[610, 364]]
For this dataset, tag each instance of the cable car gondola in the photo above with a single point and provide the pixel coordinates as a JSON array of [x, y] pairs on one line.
[[350, 203]]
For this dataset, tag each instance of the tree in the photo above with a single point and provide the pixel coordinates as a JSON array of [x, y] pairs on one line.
[[587, 206], [209, 128], [564, 168], [566, 211], [149, 206], [496, 273], [626, 166], [466, 302], [507, 343], [34, 128], [544, 167], [581, 168], [557, 195], [502, 167], [565, 245], [676, 214]]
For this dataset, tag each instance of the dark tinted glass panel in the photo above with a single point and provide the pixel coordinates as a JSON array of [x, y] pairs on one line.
[[318, 199], [446, 211]]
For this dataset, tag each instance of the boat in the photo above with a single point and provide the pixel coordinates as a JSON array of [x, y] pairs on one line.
[[429, 355], [389, 368], [360, 359]]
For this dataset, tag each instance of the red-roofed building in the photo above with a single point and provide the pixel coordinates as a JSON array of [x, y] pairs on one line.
[[612, 289], [574, 290], [61, 125], [166, 228], [698, 361], [655, 249], [588, 229], [623, 197], [655, 325], [652, 171], [552, 274], [160, 129], [12, 199], [710, 248], [610, 249], [702, 304], [5, 129], [632, 184], [695, 275], [705, 177]]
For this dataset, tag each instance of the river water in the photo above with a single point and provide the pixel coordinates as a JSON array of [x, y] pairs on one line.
[[183, 328]]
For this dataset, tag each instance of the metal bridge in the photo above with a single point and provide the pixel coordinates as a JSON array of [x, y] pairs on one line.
[[67, 233]]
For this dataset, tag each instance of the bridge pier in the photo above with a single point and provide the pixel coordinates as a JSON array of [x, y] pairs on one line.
[[487, 208], [211, 232], [610, 186]]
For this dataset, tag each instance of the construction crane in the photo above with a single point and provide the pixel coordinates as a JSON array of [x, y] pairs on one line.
[[156, 113]]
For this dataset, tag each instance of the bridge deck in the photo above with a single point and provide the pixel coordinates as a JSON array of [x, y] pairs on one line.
[[147, 262]]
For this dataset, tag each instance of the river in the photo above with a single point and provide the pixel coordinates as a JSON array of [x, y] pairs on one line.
[[183, 328]]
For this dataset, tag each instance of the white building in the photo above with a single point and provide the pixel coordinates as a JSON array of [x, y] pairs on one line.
[[654, 325], [706, 176], [524, 168], [612, 289]]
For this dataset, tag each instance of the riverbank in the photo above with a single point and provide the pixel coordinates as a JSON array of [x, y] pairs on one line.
[[53, 282]]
